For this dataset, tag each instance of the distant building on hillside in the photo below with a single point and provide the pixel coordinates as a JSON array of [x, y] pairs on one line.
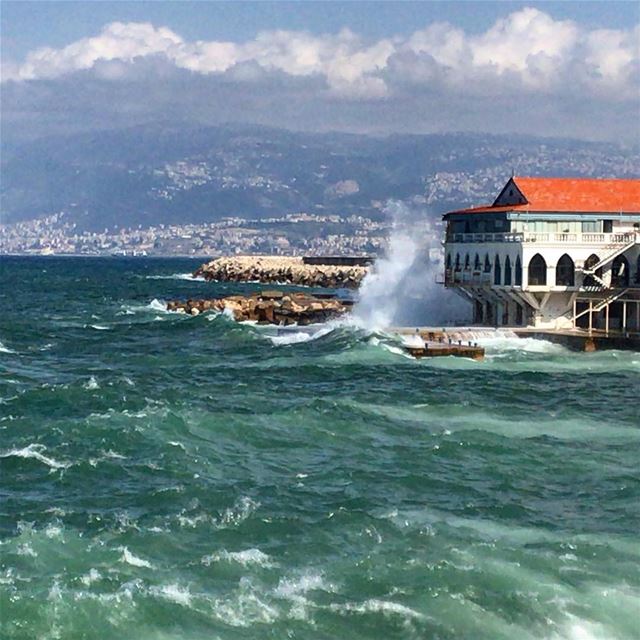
[[554, 253]]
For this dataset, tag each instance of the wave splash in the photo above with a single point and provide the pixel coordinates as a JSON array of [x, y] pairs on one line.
[[401, 287]]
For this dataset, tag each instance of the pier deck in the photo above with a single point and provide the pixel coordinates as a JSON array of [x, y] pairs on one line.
[[440, 342]]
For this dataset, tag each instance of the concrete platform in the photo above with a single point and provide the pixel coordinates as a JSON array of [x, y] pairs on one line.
[[583, 340], [436, 350]]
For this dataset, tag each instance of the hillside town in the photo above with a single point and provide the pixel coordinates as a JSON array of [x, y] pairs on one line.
[[293, 234]]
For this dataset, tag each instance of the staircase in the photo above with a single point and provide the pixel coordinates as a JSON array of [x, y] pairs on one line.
[[616, 250], [609, 299]]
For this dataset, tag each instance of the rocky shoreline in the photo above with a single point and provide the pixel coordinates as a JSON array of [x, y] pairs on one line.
[[282, 270], [268, 307]]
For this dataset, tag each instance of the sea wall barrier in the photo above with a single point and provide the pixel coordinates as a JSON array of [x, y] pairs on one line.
[[268, 307], [283, 270]]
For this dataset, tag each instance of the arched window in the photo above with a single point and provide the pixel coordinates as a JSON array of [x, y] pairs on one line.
[[518, 272], [467, 263], [497, 271], [507, 271], [589, 281], [620, 272], [477, 265], [448, 261], [487, 264], [565, 272], [457, 262], [537, 271]]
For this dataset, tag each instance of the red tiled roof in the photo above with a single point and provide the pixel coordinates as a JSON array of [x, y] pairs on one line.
[[572, 195]]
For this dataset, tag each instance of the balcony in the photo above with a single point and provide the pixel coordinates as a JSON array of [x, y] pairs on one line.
[[451, 277], [549, 238]]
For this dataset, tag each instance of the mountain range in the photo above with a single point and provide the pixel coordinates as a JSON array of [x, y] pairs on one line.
[[182, 173]]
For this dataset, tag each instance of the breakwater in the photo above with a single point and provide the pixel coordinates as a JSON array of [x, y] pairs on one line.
[[268, 307], [283, 270]]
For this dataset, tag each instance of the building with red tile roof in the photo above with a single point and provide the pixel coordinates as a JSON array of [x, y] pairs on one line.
[[557, 253], [570, 195]]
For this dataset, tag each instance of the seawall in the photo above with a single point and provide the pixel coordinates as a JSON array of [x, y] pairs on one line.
[[283, 270]]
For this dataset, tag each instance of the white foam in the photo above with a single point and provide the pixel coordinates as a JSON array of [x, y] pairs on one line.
[[99, 327], [413, 340], [178, 276], [133, 560], [155, 305], [386, 607], [4, 349], [91, 384], [91, 577], [291, 588], [577, 629], [240, 511], [34, 451], [297, 337], [26, 550], [246, 558], [244, 608], [174, 593], [504, 344]]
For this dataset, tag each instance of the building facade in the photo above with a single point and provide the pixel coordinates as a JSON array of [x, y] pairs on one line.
[[552, 253]]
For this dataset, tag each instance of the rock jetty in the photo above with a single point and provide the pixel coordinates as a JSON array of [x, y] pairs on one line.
[[283, 270], [269, 307]]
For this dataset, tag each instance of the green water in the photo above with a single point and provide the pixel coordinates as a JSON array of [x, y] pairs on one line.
[[172, 477]]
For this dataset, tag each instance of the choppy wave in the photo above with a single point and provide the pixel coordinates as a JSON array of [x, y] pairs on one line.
[[177, 276], [246, 558], [4, 349], [199, 477], [34, 452]]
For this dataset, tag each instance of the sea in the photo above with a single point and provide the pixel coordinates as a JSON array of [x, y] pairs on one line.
[[165, 476]]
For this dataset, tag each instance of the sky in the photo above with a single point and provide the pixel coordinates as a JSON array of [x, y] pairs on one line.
[[537, 68]]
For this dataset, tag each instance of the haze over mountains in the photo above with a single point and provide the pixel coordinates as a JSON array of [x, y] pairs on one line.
[[183, 173]]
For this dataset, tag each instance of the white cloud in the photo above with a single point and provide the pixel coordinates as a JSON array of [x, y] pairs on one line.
[[528, 73], [528, 46]]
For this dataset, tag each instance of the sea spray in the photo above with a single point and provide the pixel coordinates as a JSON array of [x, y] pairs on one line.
[[401, 287]]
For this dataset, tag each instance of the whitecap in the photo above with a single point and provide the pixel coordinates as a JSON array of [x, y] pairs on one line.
[[240, 511], [99, 327], [91, 577], [34, 451], [4, 349], [91, 384], [293, 587], [385, 607], [155, 305], [174, 593], [26, 550], [245, 608], [114, 454], [398, 351], [299, 335], [178, 276], [505, 344], [577, 629], [133, 560], [246, 558]]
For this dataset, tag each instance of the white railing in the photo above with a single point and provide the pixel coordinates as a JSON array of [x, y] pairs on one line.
[[551, 238], [487, 237]]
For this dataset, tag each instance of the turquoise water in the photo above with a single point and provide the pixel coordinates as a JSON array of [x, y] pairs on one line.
[[173, 477]]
